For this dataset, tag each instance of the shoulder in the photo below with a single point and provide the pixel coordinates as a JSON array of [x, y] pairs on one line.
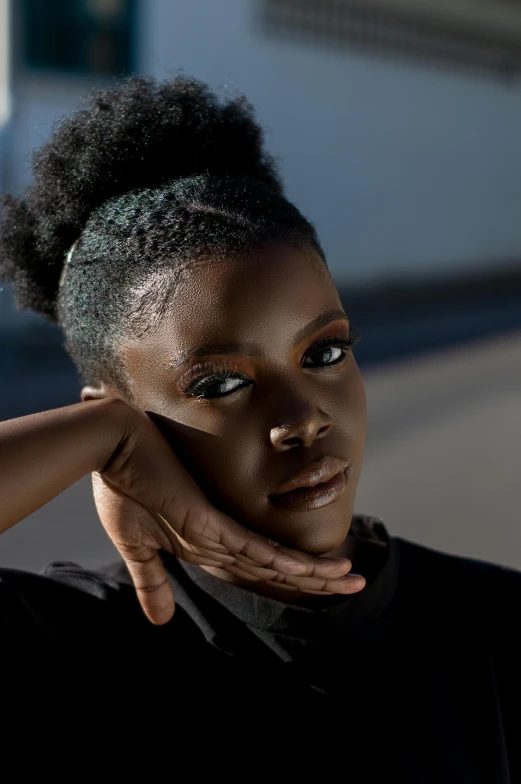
[[61, 607], [101, 582], [419, 557], [70, 627], [489, 592], [64, 579], [68, 608]]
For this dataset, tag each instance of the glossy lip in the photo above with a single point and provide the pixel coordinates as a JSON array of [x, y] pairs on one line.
[[317, 472], [313, 497]]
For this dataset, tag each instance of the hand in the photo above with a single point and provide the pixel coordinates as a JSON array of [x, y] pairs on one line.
[[147, 501]]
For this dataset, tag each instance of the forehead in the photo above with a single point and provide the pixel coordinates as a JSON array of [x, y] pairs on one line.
[[249, 295], [263, 297]]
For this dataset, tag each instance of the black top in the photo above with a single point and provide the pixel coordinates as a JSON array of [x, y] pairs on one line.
[[415, 678], [295, 634]]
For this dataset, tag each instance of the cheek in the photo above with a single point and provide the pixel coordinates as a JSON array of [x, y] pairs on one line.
[[360, 406], [348, 405], [358, 420], [222, 454]]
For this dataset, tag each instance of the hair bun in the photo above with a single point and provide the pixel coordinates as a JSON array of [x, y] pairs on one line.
[[138, 134]]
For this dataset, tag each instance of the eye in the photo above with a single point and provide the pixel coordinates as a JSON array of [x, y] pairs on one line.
[[331, 351], [328, 352], [221, 382]]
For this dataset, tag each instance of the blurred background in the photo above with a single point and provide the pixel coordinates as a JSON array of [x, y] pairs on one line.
[[397, 124]]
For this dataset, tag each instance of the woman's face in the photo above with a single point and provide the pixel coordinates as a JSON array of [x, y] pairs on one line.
[[247, 395]]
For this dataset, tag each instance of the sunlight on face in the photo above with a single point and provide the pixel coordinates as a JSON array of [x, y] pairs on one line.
[[252, 375]]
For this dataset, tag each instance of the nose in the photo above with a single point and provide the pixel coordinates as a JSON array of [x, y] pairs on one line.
[[302, 428]]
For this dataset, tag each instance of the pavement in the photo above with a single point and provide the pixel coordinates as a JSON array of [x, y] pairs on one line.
[[442, 462]]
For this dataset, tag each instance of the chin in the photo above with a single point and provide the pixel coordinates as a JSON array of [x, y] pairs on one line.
[[325, 549], [318, 534], [313, 544]]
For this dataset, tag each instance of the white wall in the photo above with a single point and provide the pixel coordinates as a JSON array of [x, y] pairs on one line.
[[403, 168]]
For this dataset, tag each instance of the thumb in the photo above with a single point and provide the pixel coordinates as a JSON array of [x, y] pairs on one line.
[[150, 581]]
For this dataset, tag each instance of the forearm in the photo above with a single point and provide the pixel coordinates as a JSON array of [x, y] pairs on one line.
[[43, 454]]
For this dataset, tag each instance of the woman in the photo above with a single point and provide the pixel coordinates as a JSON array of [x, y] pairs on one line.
[[223, 420]]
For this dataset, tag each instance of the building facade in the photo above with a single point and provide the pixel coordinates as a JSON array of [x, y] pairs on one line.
[[408, 167]]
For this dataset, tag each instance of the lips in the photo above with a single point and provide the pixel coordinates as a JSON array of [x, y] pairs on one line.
[[320, 471], [306, 498]]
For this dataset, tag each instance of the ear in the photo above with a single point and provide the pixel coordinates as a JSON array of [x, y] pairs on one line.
[[98, 392]]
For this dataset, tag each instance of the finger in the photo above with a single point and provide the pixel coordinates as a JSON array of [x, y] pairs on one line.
[[318, 593], [283, 559], [200, 556], [217, 532], [344, 585], [242, 565], [350, 583], [247, 564], [344, 564], [190, 552], [318, 565], [150, 581], [248, 568], [290, 588]]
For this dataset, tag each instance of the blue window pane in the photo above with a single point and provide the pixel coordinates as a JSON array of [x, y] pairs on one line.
[[86, 36]]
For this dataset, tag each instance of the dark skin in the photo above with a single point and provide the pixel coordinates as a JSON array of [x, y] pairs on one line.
[[284, 402]]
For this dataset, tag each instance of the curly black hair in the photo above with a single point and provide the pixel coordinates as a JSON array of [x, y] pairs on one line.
[[146, 179]]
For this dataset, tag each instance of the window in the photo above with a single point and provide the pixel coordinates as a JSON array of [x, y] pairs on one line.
[[81, 36], [480, 35]]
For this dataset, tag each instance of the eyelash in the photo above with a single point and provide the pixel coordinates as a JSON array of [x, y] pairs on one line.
[[194, 388]]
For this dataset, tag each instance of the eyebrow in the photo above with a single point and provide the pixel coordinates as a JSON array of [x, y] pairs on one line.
[[254, 349]]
